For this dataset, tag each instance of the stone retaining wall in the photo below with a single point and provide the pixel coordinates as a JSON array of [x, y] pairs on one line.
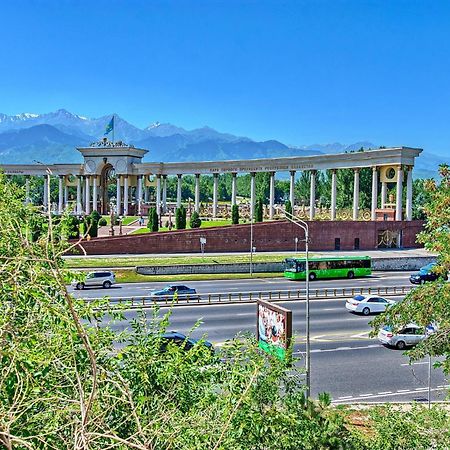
[[267, 237], [379, 264]]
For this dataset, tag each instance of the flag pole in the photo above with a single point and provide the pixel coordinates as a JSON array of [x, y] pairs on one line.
[[113, 127]]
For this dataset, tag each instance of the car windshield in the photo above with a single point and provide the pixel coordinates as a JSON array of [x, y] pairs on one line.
[[359, 298]]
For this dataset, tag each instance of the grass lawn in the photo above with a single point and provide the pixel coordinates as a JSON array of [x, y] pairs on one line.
[[205, 224], [78, 262], [130, 276]]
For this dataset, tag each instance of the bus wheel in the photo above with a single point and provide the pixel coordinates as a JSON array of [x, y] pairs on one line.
[[312, 276], [350, 275]]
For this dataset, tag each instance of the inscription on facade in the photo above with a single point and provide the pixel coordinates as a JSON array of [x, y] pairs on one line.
[[262, 168]]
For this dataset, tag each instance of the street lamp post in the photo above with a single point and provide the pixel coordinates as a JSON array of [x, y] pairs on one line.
[[304, 226], [251, 244]]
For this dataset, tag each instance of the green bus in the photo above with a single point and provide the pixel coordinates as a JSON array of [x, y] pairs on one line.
[[338, 267]]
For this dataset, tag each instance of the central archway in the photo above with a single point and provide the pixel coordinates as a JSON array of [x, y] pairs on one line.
[[107, 177]]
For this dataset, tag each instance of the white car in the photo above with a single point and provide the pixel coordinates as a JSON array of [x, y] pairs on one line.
[[104, 279], [407, 336], [367, 304]]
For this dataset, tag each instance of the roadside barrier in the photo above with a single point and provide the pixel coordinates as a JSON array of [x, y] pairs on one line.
[[251, 297]]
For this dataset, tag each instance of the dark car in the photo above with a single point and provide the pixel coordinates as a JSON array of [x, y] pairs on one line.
[[425, 274], [182, 293], [182, 341]]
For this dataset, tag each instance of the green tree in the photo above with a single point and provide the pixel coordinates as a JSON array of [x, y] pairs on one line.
[[195, 221], [180, 218], [421, 197], [73, 227], [96, 215], [235, 214], [288, 206], [153, 220], [428, 304], [93, 231], [259, 210], [87, 223]]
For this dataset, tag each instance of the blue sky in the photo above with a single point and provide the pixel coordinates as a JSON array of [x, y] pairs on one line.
[[301, 72]]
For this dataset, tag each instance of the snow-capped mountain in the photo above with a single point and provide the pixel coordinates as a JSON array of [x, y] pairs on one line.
[[53, 136]]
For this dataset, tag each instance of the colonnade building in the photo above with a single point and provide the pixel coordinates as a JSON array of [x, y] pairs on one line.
[[106, 162]]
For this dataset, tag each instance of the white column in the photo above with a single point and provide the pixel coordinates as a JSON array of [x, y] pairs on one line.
[[333, 194], [87, 193], [139, 194], [125, 195], [164, 193], [158, 195], [178, 190], [60, 194], [197, 192], [119, 196], [66, 195], [83, 195], [272, 195], [409, 193], [292, 190], [94, 193], [27, 190], [233, 188], [252, 195], [215, 189], [312, 194], [49, 198], [356, 194], [146, 190], [383, 194], [79, 206], [373, 215], [398, 197], [45, 202]]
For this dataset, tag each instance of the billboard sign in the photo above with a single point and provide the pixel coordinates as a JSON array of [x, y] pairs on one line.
[[274, 328]]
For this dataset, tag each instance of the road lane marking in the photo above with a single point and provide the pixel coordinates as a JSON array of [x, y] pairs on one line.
[[382, 394], [403, 390], [366, 395], [340, 349], [363, 335], [414, 364], [345, 396]]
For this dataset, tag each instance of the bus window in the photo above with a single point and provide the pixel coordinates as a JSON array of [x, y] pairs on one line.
[[323, 265], [291, 265]]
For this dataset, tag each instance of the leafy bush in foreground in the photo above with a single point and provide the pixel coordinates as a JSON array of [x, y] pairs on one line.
[[69, 380]]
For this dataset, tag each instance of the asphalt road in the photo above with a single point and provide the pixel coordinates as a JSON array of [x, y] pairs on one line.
[[128, 290], [344, 360]]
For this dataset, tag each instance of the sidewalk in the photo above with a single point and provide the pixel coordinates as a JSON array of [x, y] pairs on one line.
[[381, 253], [126, 229]]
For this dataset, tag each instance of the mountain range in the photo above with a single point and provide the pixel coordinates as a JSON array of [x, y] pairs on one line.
[[52, 138]]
